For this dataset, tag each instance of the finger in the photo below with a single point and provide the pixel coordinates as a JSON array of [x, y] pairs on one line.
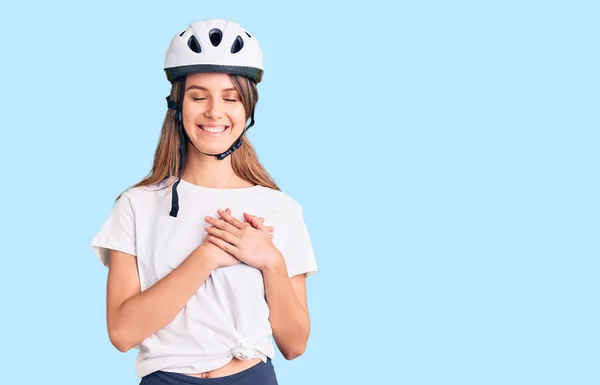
[[230, 219], [224, 235], [221, 224], [254, 221], [267, 229], [228, 247], [257, 224]]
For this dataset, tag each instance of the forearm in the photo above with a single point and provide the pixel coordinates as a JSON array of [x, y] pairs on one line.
[[147, 312], [289, 320]]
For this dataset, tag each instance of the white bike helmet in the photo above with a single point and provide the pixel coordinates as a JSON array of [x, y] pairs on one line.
[[212, 45]]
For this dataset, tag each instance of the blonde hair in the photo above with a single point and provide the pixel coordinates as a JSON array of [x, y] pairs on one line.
[[244, 160]]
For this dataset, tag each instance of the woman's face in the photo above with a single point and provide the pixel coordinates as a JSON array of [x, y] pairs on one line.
[[213, 113]]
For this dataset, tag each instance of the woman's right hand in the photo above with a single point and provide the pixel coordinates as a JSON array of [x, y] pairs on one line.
[[220, 258]]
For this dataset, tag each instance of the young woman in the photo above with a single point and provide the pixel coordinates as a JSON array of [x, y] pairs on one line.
[[196, 280]]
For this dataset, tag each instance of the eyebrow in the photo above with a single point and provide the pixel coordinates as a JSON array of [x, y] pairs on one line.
[[193, 86]]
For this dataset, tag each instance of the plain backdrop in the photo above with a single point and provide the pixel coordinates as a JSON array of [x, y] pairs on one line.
[[445, 154]]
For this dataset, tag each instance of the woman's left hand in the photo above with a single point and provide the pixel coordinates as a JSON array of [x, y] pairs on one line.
[[240, 239]]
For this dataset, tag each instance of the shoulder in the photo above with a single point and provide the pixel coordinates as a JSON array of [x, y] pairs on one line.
[[141, 195], [282, 200]]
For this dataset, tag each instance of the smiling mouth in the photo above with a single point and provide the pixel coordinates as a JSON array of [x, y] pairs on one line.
[[213, 130]]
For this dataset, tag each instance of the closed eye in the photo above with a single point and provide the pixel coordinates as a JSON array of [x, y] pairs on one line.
[[228, 100]]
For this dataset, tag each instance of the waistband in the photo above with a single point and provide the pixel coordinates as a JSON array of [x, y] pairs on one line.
[[261, 373]]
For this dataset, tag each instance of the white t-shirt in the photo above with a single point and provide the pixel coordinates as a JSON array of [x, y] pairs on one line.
[[228, 316]]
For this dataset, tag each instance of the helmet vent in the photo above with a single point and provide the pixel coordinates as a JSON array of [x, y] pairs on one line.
[[182, 32], [193, 44], [247, 34], [237, 45], [215, 36]]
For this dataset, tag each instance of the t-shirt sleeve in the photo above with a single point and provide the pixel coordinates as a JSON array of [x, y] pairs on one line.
[[293, 241], [118, 232]]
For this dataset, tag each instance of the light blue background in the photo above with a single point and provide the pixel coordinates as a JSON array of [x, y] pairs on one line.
[[446, 155]]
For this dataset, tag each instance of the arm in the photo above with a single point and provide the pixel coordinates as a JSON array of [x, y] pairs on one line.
[[288, 309], [132, 315], [286, 297]]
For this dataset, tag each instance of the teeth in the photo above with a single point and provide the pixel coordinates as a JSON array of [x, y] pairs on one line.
[[215, 129]]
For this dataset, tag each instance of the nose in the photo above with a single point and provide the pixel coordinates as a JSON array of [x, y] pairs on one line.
[[214, 109]]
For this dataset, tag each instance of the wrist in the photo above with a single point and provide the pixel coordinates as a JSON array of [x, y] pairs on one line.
[[276, 264], [203, 255]]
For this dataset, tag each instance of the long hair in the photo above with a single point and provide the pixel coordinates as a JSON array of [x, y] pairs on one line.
[[244, 160]]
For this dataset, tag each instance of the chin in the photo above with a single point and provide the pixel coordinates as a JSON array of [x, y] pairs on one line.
[[208, 149]]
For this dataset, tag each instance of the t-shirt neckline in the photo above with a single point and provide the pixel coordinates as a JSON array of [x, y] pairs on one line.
[[197, 188]]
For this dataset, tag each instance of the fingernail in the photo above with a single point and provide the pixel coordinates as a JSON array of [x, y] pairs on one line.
[[207, 218], [220, 211]]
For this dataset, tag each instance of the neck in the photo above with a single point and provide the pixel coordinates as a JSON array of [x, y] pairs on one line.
[[208, 171]]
